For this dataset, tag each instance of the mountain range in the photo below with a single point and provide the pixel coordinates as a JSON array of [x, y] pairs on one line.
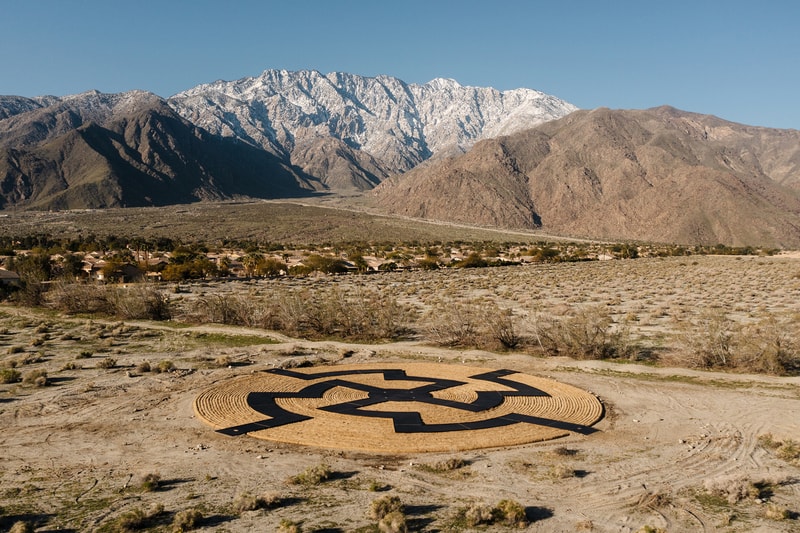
[[514, 159]]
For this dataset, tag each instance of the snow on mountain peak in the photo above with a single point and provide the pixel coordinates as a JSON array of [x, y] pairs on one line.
[[397, 124]]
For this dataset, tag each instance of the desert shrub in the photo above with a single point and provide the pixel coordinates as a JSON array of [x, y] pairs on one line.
[[590, 333], [507, 512], [788, 450], [561, 471], [21, 526], [236, 309], [477, 514], [773, 511], [510, 513], [289, 526], [15, 349], [164, 366], [313, 475], [186, 520], [733, 489], [144, 366], [448, 465], [385, 505], [715, 341], [456, 324], [393, 522], [767, 346], [654, 500], [79, 297], [360, 314], [150, 482], [708, 341], [107, 363], [140, 301], [36, 377], [502, 327], [135, 519], [249, 502], [9, 375]]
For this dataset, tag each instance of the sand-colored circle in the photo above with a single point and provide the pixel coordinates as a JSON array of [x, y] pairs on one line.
[[517, 418]]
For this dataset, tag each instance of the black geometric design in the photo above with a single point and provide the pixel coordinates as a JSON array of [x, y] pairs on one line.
[[404, 421]]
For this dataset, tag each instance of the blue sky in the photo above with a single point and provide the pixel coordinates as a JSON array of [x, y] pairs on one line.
[[739, 60]]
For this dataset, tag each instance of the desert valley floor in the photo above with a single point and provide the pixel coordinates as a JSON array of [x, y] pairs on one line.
[[676, 449]]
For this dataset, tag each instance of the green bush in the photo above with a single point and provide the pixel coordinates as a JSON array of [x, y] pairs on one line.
[[9, 375]]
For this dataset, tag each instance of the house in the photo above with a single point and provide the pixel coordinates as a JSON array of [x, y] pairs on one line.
[[8, 278]]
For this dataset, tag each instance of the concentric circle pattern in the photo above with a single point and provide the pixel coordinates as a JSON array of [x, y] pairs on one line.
[[398, 407]]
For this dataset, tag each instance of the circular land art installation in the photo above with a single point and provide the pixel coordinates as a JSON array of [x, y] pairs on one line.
[[398, 407]]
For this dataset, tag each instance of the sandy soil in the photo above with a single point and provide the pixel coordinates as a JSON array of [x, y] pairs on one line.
[[73, 454]]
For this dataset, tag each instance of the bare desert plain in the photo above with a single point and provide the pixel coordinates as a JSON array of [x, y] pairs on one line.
[[108, 438]]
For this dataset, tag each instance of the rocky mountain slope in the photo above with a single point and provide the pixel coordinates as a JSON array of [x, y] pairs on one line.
[[353, 131], [130, 149], [656, 175]]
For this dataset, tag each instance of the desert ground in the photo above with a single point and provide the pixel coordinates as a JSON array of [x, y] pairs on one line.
[[103, 439]]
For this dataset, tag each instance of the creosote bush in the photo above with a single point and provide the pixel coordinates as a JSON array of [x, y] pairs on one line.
[[150, 482], [716, 341], [313, 475], [249, 502], [186, 520], [289, 526], [508, 513], [136, 301], [9, 375], [384, 506], [36, 377], [787, 450], [589, 333], [393, 522]]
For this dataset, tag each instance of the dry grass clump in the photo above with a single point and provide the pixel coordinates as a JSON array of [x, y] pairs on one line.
[[107, 363], [187, 520], [773, 511], [509, 513], [787, 450], [135, 520], [9, 375], [561, 471], [393, 522], [150, 482], [249, 502], [289, 526], [313, 475], [21, 526], [448, 465], [654, 500], [733, 489], [37, 377], [384, 506]]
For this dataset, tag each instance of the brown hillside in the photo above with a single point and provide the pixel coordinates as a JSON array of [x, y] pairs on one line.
[[140, 156], [657, 175]]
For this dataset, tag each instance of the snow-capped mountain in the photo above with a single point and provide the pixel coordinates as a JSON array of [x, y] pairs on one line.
[[353, 131]]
